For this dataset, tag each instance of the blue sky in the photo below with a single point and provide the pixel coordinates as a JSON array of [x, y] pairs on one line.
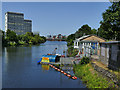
[[58, 17]]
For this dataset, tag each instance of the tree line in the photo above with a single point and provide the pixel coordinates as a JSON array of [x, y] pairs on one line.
[[12, 39], [84, 30], [109, 26]]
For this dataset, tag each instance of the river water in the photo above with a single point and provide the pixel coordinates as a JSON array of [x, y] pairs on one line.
[[20, 69]]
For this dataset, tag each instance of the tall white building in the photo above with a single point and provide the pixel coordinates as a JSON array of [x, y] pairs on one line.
[[16, 22]]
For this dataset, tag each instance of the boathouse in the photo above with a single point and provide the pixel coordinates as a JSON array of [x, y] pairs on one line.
[[88, 45], [110, 54]]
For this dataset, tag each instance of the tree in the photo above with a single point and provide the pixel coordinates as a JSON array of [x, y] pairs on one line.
[[110, 25], [94, 31], [84, 30], [3, 36], [72, 36], [70, 39], [11, 36], [44, 38]]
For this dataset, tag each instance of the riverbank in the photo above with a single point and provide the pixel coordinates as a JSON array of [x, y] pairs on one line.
[[92, 78], [13, 44], [12, 39]]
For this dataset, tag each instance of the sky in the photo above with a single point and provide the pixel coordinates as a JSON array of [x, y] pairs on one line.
[[58, 17]]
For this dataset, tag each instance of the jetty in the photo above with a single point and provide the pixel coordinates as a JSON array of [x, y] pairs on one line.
[[65, 61]]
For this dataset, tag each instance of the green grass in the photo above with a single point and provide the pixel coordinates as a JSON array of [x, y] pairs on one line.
[[91, 78]]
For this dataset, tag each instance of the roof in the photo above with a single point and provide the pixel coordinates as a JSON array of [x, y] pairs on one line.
[[111, 42], [26, 20], [86, 36], [15, 13], [79, 39], [89, 41]]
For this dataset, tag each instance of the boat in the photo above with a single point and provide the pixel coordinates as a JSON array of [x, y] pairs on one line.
[[46, 59]]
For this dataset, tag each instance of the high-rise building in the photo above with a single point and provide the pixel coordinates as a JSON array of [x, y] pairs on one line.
[[16, 22]]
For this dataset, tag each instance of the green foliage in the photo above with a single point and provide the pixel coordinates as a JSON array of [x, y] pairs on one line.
[[72, 52], [11, 36], [44, 38], [27, 39], [72, 36], [94, 31], [4, 41], [110, 25], [84, 60], [12, 43], [70, 43], [70, 39], [92, 80], [21, 42], [84, 30]]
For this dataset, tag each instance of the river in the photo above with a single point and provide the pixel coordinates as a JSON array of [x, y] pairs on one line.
[[20, 69]]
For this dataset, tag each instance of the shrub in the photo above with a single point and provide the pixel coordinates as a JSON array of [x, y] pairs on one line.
[[72, 52], [13, 43], [84, 60]]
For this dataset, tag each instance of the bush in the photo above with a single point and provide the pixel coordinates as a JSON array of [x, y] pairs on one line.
[[21, 42], [84, 60], [13, 43], [72, 52]]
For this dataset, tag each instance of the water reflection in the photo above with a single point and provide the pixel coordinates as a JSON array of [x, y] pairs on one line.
[[45, 67]]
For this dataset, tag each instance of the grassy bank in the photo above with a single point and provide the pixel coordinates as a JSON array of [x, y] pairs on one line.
[[91, 78]]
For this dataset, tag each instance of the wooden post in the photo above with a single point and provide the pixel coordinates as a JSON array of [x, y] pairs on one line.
[[105, 58], [100, 53]]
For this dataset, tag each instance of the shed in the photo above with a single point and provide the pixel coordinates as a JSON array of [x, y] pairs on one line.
[[110, 54], [88, 44]]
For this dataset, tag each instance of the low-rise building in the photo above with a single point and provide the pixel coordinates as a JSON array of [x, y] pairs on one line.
[[88, 44], [110, 54]]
